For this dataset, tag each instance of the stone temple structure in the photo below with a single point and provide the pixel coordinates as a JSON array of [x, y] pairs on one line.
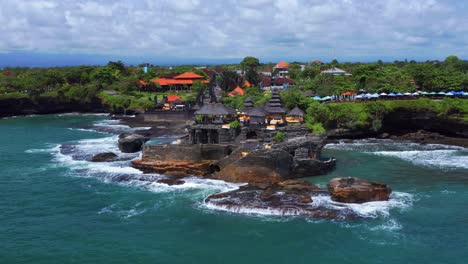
[[214, 123]]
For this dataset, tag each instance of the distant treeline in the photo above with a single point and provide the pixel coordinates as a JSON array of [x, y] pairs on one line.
[[85, 82]]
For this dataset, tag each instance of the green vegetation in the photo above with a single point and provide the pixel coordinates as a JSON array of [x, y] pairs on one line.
[[279, 136], [257, 96], [235, 124], [369, 115], [399, 76], [117, 86], [114, 84]]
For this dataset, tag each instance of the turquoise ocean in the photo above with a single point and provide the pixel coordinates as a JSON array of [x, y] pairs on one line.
[[57, 207]]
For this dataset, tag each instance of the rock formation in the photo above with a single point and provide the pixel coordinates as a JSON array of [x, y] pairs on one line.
[[104, 157], [130, 143], [355, 190], [290, 197]]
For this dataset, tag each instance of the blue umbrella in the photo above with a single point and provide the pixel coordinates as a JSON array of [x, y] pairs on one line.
[[392, 94]]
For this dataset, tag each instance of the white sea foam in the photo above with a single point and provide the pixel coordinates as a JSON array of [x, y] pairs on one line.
[[87, 130], [116, 209], [114, 125], [192, 183], [430, 155], [267, 211], [83, 114], [32, 151], [431, 158], [371, 209]]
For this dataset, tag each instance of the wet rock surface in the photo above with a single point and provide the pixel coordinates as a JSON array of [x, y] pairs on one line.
[[104, 157], [178, 168], [291, 197], [129, 143], [355, 190], [171, 181], [258, 167]]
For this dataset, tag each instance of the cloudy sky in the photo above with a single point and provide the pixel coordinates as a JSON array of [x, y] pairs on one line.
[[165, 31]]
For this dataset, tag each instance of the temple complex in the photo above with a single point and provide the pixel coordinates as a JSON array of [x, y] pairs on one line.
[[219, 124]]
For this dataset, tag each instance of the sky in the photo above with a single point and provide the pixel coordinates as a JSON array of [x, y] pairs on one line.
[[164, 32]]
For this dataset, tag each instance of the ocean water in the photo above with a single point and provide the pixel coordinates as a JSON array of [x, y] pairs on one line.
[[57, 207]]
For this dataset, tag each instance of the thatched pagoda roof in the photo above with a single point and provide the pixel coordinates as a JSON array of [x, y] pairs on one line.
[[274, 105], [257, 111], [296, 111]]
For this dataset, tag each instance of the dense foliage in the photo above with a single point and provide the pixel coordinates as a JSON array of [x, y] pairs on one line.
[[117, 85], [369, 115]]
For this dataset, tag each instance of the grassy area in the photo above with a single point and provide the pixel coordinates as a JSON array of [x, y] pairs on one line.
[[15, 95], [136, 100]]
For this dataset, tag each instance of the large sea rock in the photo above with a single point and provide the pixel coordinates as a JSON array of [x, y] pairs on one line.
[[130, 143], [104, 157], [355, 190], [290, 197], [258, 168]]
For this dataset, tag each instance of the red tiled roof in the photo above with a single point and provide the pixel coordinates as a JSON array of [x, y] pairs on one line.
[[8, 73], [188, 75], [266, 82], [348, 93], [172, 98], [282, 64], [236, 91], [167, 82], [247, 84], [142, 83]]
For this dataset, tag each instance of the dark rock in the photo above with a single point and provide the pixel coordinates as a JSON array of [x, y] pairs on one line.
[[103, 157], [421, 136], [187, 153], [259, 167], [176, 168], [170, 181], [291, 197], [312, 167], [355, 190], [132, 143]]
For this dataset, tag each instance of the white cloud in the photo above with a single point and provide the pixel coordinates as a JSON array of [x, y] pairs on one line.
[[226, 29]]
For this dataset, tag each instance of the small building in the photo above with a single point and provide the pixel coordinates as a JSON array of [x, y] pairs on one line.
[[212, 125], [215, 114], [236, 91], [173, 102], [336, 71], [281, 69], [296, 115], [252, 115], [179, 82]]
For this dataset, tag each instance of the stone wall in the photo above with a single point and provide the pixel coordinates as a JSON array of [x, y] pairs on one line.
[[189, 153]]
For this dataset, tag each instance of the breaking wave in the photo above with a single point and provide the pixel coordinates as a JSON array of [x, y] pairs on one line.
[[429, 155], [398, 200]]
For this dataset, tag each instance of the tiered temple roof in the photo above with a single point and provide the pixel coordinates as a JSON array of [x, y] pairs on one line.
[[274, 105]]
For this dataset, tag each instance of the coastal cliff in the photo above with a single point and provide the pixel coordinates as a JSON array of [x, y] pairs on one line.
[[49, 105]]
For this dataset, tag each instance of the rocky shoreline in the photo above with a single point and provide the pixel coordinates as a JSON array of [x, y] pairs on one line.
[[271, 176]]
